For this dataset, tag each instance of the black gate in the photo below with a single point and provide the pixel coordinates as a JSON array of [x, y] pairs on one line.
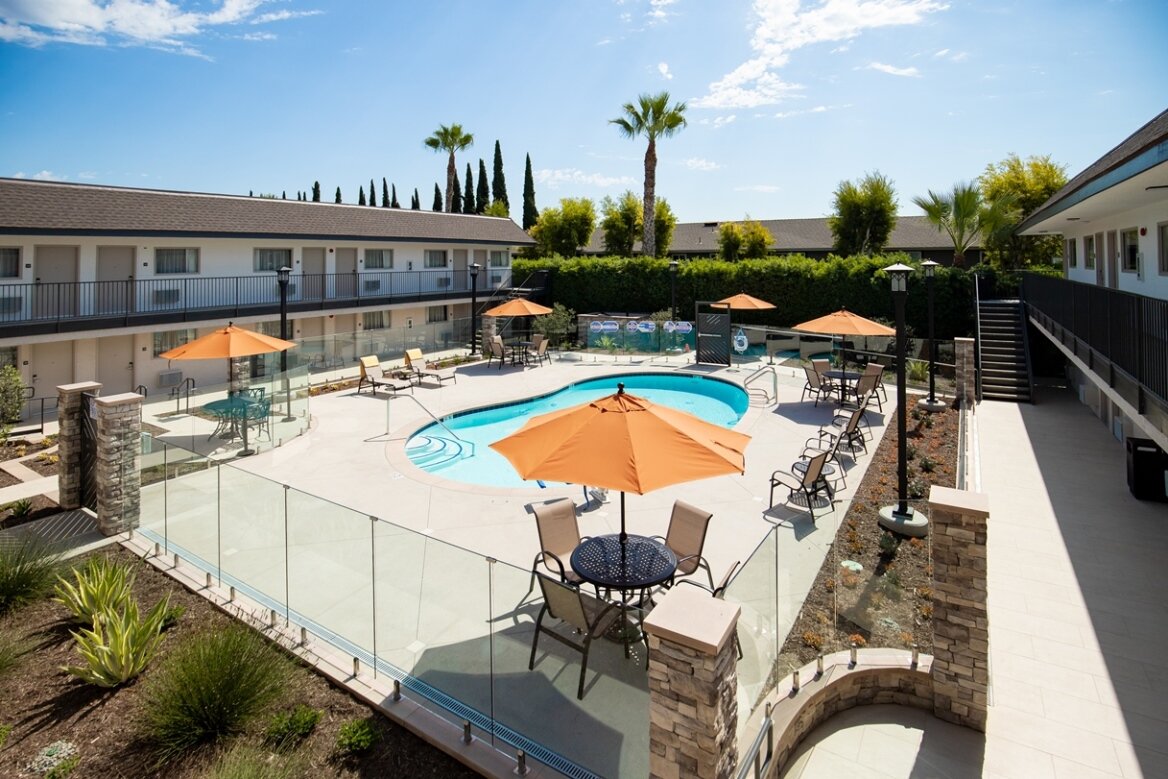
[[713, 341], [88, 450]]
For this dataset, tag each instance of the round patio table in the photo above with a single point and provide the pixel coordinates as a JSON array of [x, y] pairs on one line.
[[842, 379], [235, 410]]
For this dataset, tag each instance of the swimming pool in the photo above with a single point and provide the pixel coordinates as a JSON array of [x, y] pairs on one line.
[[469, 458]]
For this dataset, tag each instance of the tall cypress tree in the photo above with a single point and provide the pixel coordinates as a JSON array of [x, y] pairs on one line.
[[283, 194], [338, 199], [393, 197], [361, 196], [384, 193], [483, 192], [498, 182], [530, 215], [316, 192], [415, 202], [372, 193], [468, 195], [456, 202], [438, 197]]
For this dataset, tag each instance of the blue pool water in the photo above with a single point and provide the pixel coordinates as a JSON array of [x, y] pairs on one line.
[[434, 450]]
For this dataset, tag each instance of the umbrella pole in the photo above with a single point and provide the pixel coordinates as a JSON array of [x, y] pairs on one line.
[[623, 536]]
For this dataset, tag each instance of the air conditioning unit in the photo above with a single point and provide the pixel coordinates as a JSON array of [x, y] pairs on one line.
[[444, 281], [11, 305], [169, 379], [496, 278], [163, 297], [372, 285]]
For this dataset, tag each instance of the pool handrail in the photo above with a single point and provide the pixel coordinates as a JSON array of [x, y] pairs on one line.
[[437, 421]]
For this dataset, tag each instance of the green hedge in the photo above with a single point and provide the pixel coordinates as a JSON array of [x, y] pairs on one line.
[[801, 288]]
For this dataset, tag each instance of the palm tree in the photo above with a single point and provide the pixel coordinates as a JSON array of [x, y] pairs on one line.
[[653, 118], [449, 139], [966, 216]]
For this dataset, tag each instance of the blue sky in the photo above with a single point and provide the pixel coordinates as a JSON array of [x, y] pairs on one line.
[[786, 98]]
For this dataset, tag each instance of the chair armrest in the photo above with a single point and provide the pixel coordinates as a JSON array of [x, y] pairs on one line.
[[779, 477], [559, 564], [696, 584]]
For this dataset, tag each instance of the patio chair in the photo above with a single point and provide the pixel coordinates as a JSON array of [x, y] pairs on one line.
[[538, 352], [877, 370], [259, 413], [416, 363], [821, 368], [863, 393], [844, 430], [373, 375], [686, 538], [588, 616], [718, 591], [496, 351], [559, 535], [814, 385], [830, 444], [810, 484]]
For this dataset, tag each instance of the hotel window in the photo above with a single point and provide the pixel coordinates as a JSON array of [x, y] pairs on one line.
[[7, 356], [1129, 245], [498, 259], [176, 261], [9, 262], [378, 259], [1072, 256], [435, 314], [1163, 231], [435, 258], [272, 260], [164, 342], [1089, 251], [375, 320], [272, 328]]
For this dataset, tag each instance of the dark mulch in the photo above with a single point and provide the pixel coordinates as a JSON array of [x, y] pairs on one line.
[[44, 704], [13, 514], [889, 602], [44, 463], [16, 448], [7, 479]]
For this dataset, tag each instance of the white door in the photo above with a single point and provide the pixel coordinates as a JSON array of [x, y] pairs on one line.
[[115, 366], [55, 269], [115, 280], [461, 277], [312, 265], [52, 365]]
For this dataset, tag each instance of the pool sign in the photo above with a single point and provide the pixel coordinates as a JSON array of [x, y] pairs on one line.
[[669, 326], [646, 327], [684, 327], [631, 326], [609, 326], [595, 325]]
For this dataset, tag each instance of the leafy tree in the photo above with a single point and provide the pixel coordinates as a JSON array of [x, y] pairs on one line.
[[384, 193], [730, 241], [565, 229], [456, 204], [559, 325], [316, 192], [11, 399], [530, 214], [468, 194], [361, 196], [653, 118], [483, 191], [338, 197], [498, 182], [756, 239], [864, 216], [664, 220], [393, 197], [450, 140], [621, 224], [415, 201], [966, 217], [437, 198], [497, 208], [1029, 183]]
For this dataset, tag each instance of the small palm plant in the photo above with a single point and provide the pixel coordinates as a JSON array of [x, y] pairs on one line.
[[102, 586], [120, 644]]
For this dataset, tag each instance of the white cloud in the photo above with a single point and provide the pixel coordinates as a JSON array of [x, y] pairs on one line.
[[658, 10], [44, 175], [663, 69], [554, 178], [258, 36], [722, 121], [87, 175], [892, 70], [819, 109], [766, 188], [941, 53], [960, 56], [784, 26], [165, 25], [697, 163], [842, 48], [604, 42]]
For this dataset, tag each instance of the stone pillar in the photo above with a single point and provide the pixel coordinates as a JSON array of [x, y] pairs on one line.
[[693, 681], [69, 410], [966, 372], [118, 462], [960, 620]]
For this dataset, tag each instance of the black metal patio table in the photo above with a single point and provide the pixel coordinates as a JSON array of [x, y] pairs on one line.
[[842, 379], [637, 563]]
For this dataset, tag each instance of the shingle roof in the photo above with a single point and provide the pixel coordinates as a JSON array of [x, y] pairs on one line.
[[795, 235], [54, 208], [1151, 134]]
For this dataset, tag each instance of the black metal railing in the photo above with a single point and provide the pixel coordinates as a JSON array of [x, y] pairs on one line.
[[1128, 331], [68, 305]]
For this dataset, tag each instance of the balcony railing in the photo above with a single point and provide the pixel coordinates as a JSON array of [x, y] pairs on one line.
[[1111, 331], [64, 306]]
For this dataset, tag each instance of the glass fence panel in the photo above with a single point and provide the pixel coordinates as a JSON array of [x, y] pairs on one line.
[[330, 572], [186, 499], [755, 590], [400, 557], [607, 731], [251, 537]]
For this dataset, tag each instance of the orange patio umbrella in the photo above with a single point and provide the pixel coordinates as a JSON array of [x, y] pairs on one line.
[[228, 343], [623, 442], [745, 302], [518, 307], [844, 322]]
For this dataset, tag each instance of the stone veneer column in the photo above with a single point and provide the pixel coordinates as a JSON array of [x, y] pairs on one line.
[[70, 407], [693, 681], [118, 461], [966, 371], [960, 621]]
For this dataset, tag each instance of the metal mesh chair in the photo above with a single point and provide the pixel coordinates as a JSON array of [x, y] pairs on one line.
[[587, 615], [810, 484], [559, 535]]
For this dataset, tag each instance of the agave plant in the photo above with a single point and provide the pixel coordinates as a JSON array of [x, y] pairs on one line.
[[102, 586], [120, 645]]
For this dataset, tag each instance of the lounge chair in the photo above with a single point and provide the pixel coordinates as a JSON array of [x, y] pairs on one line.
[[811, 483], [416, 363], [589, 616], [686, 537], [373, 375], [559, 535]]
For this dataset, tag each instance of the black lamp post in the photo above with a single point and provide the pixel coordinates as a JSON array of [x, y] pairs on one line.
[[931, 403], [673, 290], [282, 276], [474, 304], [898, 273]]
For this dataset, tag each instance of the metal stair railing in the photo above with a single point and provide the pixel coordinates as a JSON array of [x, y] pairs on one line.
[[430, 414], [977, 335], [758, 374], [1026, 349]]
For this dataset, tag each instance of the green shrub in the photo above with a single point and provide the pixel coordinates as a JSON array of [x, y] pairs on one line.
[[888, 543], [917, 371], [244, 761], [119, 645], [12, 651], [928, 464], [210, 687], [27, 572], [5, 731], [356, 736], [63, 768], [172, 616], [19, 508], [288, 728], [102, 586]]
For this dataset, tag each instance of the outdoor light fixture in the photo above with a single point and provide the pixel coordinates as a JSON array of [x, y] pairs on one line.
[[898, 274], [474, 302], [673, 290], [282, 277], [931, 403]]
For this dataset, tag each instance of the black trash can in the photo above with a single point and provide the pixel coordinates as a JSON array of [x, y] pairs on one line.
[[1147, 469]]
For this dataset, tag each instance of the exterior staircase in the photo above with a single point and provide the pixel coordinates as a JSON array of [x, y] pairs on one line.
[[1004, 370]]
